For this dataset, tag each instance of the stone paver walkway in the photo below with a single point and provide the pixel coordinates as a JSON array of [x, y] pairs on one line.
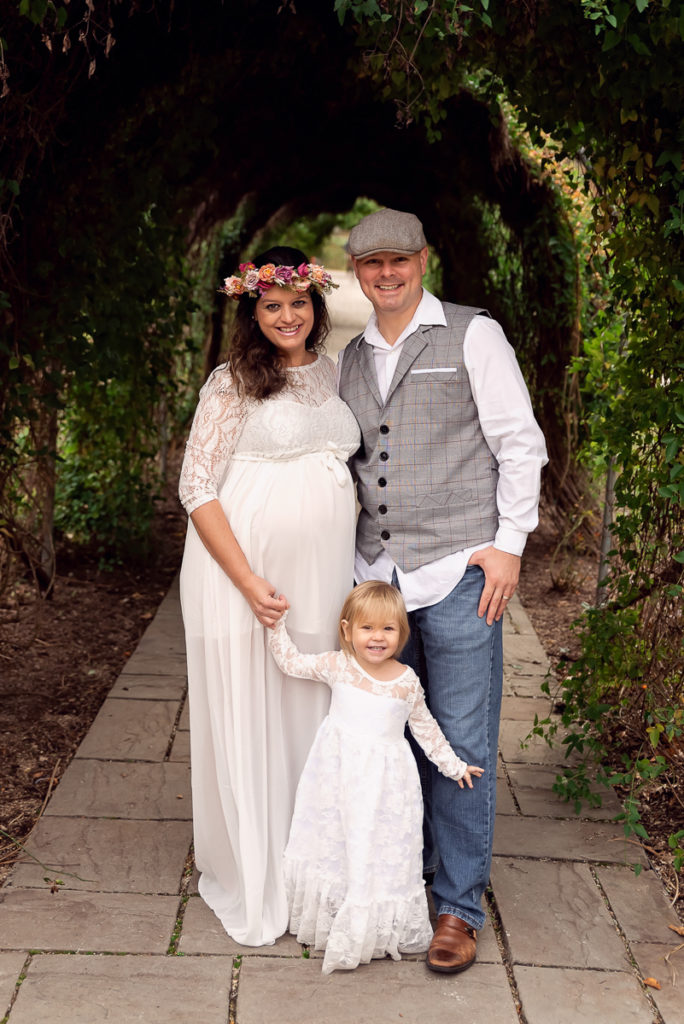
[[126, 938]]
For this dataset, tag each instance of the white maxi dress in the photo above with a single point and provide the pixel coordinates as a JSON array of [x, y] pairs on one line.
[[353, 862], [278, 467]]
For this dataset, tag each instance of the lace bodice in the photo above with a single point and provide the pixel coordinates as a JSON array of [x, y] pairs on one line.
[[305, 418], [337, 669]]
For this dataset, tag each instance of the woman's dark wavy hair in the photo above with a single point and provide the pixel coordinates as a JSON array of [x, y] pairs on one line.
[[252, 358]]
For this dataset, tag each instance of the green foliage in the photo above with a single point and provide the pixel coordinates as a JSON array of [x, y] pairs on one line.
[[106, 482], [97, 374], [311, 233]]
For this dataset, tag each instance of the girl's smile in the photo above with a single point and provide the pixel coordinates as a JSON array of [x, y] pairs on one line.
[[373, 642]]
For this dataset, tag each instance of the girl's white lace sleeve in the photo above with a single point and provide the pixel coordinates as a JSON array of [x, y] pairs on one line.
[[292, 662], [216, 427], [428, 734]]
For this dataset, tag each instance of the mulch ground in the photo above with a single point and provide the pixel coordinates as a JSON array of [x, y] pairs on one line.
[[60, 657]]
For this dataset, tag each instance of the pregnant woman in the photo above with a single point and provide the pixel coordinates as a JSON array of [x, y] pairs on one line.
[[272, 517]]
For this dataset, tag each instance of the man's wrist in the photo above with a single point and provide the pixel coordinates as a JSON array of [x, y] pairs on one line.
[[511, 541]]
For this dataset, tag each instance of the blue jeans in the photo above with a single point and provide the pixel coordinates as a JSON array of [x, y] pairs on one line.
[[459, 660]]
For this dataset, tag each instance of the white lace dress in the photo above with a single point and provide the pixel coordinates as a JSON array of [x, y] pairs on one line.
[[353, 862], [278, 467]]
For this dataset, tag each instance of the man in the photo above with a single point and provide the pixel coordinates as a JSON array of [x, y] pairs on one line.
[[448, 481]]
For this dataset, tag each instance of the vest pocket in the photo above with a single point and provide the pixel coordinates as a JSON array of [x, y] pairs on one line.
[[443, 502]]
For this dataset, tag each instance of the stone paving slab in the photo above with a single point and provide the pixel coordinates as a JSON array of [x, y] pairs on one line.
[[533, 791], [524, 684], [116, 789], [152, 663], [180, 751], [597, 997], [11, 966], [82, 921], [525, 650], [553, 916], [564, 839], [504, 798], [523, 709], [650, 958], [184, 720], [162, 643], [167, 623], [122, 990], [202, 932], [640, 905], [384, 992], [535, 750], [107, 855], [149, 687], [516, 619], [507, 689], [130, 730]]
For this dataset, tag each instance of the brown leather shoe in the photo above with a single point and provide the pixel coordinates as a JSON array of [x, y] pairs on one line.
[[453, 945]]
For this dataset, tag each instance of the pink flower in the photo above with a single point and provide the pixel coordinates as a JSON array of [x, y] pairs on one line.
[[284, 274], [251, 279], [246, 266], [233, 286], [303, 269], [301, 286]]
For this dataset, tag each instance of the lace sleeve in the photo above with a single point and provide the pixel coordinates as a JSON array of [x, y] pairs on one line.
[[428, 734], [292, 662], [215, 430]]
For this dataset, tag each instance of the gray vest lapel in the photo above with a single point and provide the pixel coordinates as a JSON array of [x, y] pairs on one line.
[[411, 349], [367, 364]]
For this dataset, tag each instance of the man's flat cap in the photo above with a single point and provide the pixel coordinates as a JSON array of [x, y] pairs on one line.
[[386, 231]]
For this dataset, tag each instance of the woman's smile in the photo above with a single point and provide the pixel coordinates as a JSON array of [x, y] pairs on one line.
[[286, 319]]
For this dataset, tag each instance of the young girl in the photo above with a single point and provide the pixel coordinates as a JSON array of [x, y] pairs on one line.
[[353, 862]]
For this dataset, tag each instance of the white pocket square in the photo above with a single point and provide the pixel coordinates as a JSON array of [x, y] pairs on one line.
[[438, 369]]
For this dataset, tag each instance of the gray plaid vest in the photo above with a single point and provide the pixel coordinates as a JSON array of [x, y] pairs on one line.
[[425, 474]]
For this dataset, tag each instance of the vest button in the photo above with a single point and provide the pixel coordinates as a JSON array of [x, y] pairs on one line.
[[382, 509], [384, 456], [385, 535], [382, 482], [384, 429]]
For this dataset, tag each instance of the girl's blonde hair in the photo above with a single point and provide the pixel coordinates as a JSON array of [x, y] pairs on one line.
[[374, 600]]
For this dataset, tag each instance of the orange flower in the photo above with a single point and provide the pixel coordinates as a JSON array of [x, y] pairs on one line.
[[267, 272]]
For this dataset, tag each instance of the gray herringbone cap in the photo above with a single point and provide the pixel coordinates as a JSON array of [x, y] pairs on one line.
[[386, 231]]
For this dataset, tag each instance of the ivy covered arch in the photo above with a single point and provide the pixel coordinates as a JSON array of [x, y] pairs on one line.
[[206, 115]]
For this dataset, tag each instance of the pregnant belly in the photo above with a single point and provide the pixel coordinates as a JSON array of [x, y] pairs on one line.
[[288, 501]]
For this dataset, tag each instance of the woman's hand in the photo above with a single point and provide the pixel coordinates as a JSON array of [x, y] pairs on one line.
[[472, 769], [219, 540], [263, 599]]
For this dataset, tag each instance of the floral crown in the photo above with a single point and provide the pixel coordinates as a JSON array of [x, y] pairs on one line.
[[255, 281]]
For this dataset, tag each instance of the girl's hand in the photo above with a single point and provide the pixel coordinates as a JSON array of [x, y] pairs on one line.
[[263, 599], [472, 769]]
